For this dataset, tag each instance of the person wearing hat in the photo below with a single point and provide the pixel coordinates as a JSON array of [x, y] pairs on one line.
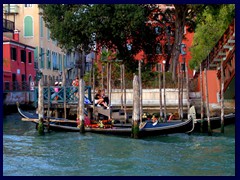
[[75, 85], [54, 95]]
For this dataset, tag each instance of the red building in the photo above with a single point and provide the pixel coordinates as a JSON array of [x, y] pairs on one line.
[[18, 63]]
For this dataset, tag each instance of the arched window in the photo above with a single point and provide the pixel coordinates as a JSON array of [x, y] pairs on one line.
[[28, 26]]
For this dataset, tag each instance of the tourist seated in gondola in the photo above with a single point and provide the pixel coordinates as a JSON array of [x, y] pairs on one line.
[[99, 101], [105, 97], [154, 120]]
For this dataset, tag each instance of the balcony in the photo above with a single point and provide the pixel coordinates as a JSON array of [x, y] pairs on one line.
[[8, 26], [10, 9]]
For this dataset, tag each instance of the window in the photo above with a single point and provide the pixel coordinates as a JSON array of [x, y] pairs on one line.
[[41, 26], [166, 48], [29, 57], [48, 34], [182, 67], [158, 48], [23, 55], [48, 59], [28, 5], [158, 30], [129, 47], [183, 49], [54, 59], [60, 62], [148, 49], [13, 53], [42, 58], [28, 26], [169, 29]]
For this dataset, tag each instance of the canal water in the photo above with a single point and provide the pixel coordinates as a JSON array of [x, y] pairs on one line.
[[25, 153]]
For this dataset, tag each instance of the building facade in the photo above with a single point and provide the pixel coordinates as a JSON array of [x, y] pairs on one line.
[[18, 64], [48, 57]]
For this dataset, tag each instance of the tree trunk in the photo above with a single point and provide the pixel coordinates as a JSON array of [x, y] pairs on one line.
[[180, 14], [136, 107]]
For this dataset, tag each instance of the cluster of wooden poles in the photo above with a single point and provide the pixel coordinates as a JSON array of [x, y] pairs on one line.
[[137, 97]]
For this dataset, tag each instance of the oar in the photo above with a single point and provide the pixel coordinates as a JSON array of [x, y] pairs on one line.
[[51, 120]]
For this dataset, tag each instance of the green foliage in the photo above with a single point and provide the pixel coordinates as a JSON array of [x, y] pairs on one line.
[[212, 23]]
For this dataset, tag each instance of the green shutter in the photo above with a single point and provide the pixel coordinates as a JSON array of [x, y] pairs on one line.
[[41, 26], [28, 26]]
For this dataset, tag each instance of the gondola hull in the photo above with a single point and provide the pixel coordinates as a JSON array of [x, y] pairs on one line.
[[215, 123]]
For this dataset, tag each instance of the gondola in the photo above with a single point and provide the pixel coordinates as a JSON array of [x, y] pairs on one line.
[[215, 122], [146, 128]]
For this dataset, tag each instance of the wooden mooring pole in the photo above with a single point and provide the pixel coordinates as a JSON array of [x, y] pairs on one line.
[[40, 107], [179, 92], [81, 105], [201, 91], [125, 95], [164, 92], [136, 107], [187, 85], [207, 102], [140, 87], [160, 92], [222, 97]]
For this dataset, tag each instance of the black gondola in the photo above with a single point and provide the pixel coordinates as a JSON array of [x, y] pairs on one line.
[[145, 129]]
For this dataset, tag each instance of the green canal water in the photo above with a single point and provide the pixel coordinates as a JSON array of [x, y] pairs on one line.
[[25, 153]]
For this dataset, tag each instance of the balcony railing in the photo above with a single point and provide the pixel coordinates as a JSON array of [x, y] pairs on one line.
[[8, 26]]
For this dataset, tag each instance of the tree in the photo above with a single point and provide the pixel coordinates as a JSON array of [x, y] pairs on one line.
[[211, 24], [115, 26]]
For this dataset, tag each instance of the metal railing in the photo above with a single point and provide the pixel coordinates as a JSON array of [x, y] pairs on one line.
[[56, 94], [8, 25]]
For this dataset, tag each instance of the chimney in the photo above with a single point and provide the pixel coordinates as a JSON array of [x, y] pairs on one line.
[[16, 35]]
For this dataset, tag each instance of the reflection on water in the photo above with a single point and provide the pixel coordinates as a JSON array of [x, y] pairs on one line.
[[65, 154]]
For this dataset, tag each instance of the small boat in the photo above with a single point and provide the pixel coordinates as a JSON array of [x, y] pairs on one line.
[[146, 128], [215, 122]]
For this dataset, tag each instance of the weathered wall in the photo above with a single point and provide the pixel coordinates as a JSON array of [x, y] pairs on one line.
[[21, 97]]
